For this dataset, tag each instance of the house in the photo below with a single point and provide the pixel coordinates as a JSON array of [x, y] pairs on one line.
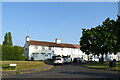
[[42, 50], [108, 57]]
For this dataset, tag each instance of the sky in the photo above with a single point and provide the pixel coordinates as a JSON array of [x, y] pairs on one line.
[[46, 21]]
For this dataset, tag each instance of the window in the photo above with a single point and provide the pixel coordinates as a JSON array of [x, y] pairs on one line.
[[43, 47], [35, 55], [26, 49], [36, 47], [46, 55], [49, 53], [42, 53], [50, 48]]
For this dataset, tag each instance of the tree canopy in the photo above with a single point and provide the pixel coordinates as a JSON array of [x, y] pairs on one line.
[[102, 39], [12, 53], [8, 39]]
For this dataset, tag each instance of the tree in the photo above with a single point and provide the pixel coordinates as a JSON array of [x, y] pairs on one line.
[[100, 40], [0, 52], [8, 39], [117, 30], [6, 52], [12, 53], [18, 53]]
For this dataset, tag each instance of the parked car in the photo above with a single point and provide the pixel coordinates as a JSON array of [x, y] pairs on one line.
[[58, 60], [76, 60], [67, 60], [94, 59]]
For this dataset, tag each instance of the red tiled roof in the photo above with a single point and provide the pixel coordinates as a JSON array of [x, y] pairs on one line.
[[53, 44]]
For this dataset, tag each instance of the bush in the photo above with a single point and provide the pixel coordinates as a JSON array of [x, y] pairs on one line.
[[12, 53]]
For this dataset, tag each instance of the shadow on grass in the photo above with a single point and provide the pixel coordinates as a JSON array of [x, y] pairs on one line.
[[9, 68], [106, 75], [49, 62]]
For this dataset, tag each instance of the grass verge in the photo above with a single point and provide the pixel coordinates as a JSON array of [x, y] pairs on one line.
[[22, 65], [102, 66]]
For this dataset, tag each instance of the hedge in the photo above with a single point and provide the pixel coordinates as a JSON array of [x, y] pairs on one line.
[[14, 53]]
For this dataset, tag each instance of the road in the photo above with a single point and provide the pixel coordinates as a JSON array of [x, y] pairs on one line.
[[73, 70]]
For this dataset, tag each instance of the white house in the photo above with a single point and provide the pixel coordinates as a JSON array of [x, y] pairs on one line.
[[108, 57], [42, 50]]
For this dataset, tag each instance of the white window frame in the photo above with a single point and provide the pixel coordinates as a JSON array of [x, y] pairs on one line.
[[43, 47], [36, 47]]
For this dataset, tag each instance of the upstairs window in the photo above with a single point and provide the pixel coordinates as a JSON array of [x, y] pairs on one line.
[[50, 48], [43, 47], [36, 47], [42, 53], [46, 55], [26, 49]]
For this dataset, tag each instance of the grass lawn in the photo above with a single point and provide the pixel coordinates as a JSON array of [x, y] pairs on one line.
[[104, 65], [22, 65]]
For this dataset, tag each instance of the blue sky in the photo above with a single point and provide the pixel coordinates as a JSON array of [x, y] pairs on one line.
[[45, 21]]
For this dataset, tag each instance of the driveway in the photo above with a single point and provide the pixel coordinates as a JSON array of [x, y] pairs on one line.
[[73, 70]]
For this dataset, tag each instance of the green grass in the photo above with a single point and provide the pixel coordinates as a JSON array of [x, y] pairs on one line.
[[22, 65], [104, 65], [48, 62], [7, 67]]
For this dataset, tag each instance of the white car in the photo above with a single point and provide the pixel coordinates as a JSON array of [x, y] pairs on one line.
[[59, 60], [95, 59]]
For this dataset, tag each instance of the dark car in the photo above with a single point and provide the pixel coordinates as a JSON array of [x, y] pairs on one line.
[[77, 60]]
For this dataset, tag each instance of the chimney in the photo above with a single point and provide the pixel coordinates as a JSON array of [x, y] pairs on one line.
[[27, 38], [58, 41]]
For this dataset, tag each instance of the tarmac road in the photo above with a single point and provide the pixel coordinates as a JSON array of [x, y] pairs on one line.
[[73, 70]]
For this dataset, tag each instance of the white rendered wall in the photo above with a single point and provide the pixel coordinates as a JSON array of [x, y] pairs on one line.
[[26, 50], [39, 50], [73, 52]]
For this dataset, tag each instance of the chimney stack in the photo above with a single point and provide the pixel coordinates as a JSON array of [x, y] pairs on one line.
[[58, 41], [27, 38]]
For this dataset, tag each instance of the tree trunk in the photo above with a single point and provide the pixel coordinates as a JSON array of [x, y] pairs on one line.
[[88, 56], [102, 59]]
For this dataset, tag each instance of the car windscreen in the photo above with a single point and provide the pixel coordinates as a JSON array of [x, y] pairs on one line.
[[58, 59]]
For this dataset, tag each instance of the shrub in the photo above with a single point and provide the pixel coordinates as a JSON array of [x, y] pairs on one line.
[[12, 53]]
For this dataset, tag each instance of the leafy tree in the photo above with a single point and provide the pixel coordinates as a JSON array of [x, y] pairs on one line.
[[6, 52], [8, 39], [18, 53], [101, 39], [12, 53], [117, 30], [0, 52]]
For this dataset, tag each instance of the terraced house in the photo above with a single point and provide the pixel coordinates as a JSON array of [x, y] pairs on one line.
[[42, 50]]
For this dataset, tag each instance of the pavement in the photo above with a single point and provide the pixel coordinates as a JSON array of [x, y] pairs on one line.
[[74, 70]]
